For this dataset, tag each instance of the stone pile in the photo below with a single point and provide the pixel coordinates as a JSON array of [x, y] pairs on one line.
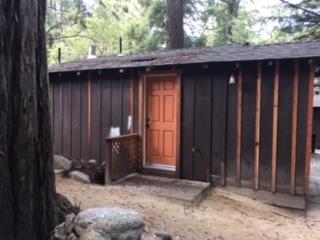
[[79, 170], [107, 224]]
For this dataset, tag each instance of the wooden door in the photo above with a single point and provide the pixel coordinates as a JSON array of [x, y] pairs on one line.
[[161, 123]]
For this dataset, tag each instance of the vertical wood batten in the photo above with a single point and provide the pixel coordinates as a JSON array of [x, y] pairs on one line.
[[132, 101], [223, 162], [257, 129], [61, 116], [178, 157], [90, 113], [275, 127], [309, 128], [294, 127], [239, 124]]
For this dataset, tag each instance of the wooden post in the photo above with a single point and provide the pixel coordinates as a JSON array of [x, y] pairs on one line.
[[275, 128], [257, 129], [239, 125], [132, 102], [294, 127], [309, 128], [89, 113], [108, 169]]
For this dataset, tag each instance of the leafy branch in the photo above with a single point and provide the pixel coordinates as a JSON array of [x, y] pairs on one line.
[[297, 6]]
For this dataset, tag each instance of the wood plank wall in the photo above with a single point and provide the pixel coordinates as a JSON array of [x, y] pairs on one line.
[[106, 95], [255, 135], [228, 131]]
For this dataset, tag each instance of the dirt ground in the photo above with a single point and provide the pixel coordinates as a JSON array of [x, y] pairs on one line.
[[220, 215]]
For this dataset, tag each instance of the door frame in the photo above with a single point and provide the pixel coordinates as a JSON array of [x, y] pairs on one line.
[[142, 113]]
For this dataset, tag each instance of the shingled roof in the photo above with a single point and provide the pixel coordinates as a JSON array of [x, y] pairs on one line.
[[225, 53]]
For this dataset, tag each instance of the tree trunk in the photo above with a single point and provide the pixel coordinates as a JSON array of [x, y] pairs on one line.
[[175, 23], [233, 7], [27, 187]]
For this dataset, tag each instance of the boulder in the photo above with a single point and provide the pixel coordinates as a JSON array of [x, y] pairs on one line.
[[148, 236], [79, 176], [92, 162], [59, 233], [163, 236], [109, 223], [69, 224], [60, 162], [72, 236], [59, 173], [64, 208], [93, 235]]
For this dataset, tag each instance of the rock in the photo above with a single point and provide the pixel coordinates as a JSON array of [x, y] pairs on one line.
[[79, 176], [103, 164], [179, 238], [59, 233], [72, 236], [109, 223], [69, 224], [148, 236], [60, 162], [59, 173], [92, 235], [163, 236], [63, 208], [92, 162]]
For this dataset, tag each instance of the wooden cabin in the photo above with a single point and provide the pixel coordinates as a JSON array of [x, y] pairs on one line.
[[237, 115]]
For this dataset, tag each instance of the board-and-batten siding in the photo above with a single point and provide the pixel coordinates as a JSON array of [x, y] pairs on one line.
[[210, 130], [204, 119], [76, 134]]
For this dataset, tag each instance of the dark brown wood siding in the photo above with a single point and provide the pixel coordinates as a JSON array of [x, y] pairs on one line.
[[222, 142], [211, 134], [104, 94], [316, 126], [267, 86]]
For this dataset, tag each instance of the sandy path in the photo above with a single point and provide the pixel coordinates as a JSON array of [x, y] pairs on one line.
[[220, 216]]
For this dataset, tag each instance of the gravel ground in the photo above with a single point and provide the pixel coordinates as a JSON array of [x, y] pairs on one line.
[[220, 215]]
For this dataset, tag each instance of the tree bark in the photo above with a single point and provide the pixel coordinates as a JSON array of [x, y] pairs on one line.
[[233, 7], [175, 24], [27, 187]]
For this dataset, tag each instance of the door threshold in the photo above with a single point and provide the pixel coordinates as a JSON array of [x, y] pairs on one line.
[[160, 167]]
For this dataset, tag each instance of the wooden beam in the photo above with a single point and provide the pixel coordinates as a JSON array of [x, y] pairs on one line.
[[294, 127], [257, 129], [309, 129], [275, 128], [239, 125], [89, 113]]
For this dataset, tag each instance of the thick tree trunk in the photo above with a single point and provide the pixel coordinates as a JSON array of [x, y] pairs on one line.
[[175, 23], [27, 191]]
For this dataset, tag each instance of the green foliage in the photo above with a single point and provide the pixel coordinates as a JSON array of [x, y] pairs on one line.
[[229, 22], [302, 20], [142, 24]]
